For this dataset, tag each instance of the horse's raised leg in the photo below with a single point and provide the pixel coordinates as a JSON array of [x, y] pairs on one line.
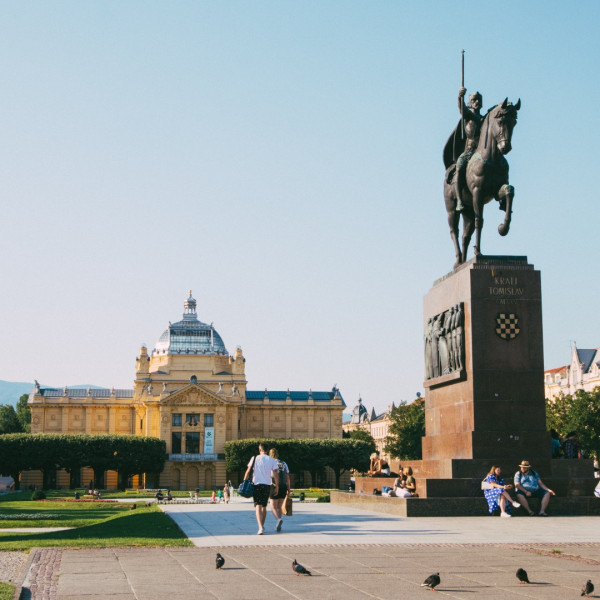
[[506, 195]]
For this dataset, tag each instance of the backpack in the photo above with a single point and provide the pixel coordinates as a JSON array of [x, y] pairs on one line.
[[281, 468]]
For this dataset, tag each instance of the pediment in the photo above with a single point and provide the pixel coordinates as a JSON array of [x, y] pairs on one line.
[[193, 395]]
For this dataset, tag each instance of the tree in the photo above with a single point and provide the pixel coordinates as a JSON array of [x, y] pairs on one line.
[[17, 454], [312, 455], [343, 455], [406, 429], [24, 413], [578, 412], [361, 434], [9, 422]]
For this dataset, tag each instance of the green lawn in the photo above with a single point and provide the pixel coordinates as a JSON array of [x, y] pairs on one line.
[[6, 591], [96, 523]]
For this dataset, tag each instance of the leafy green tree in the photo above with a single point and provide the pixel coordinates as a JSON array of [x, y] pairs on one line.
[[360, 434], [24, 413], [311, 455], [577, 412], [9, 422], [343, 455], [407, 427], [17, 454], [135, 454]]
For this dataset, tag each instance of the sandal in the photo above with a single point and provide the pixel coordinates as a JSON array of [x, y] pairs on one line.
[[543, 514], [531, 513]]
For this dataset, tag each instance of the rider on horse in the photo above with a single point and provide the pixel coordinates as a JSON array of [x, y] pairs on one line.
[[458, 149], [473, 119]]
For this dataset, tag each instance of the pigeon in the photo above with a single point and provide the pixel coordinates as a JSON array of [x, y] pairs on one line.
[[432, 581], [587, 589], [522, 576], [299, 569], [220, 561]]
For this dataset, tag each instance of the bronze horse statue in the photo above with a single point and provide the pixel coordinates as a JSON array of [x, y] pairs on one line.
[[486, 179]]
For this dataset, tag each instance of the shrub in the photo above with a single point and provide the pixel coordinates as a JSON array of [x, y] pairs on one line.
[[38, 495], [323, 498]]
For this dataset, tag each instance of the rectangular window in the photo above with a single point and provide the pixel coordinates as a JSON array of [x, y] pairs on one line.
[[192, 418], [176, 442], [176, 419], [208, 420], [192, 443]]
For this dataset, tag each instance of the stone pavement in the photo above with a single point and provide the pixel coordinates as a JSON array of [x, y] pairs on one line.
[[223, 525], [356, 554]]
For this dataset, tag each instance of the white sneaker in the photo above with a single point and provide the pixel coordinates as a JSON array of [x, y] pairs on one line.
[[505, 514], [260, 531], [516, 504]]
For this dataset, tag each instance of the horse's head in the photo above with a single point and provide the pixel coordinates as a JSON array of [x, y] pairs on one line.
[[503, 119]]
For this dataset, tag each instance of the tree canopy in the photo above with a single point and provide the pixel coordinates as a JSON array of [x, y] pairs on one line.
[[24, 413], [126, 454], [360, 434], [304, 455], [406, 429], [9, 422], [577, 412]]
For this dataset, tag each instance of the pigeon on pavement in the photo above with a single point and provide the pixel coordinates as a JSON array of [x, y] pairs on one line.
[[432, 581], [299, 569], [522, 576], [588, 588], [220, 561]]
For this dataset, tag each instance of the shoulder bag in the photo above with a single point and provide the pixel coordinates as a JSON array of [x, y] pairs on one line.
[[246, 489]]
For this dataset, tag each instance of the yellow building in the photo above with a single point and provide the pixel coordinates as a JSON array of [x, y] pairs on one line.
[[191, 393]]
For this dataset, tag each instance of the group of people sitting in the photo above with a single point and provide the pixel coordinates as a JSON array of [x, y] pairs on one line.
[[160, 496], [404, 484], [527, 484]]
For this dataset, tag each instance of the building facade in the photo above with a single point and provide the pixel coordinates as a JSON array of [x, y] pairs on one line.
[[374, 424], [191, 393], [582, 373]]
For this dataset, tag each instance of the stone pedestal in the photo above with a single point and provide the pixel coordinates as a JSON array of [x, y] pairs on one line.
[[484, 400], [488, 403]]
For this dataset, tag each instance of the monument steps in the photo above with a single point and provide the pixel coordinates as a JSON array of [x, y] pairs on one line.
[[461, 506]]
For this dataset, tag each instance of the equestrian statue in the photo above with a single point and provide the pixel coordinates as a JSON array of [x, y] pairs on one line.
[[476, 170]]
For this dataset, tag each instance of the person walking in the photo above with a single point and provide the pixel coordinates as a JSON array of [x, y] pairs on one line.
[[264, 470], [277, 499]]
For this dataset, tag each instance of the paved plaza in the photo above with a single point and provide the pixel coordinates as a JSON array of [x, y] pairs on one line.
[[351, 553]]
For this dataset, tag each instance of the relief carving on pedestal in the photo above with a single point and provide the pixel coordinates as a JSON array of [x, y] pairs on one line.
[[444, 342]]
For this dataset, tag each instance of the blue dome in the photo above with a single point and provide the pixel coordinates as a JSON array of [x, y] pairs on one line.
[[190, 336]]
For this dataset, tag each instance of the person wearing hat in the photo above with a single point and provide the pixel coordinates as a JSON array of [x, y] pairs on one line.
[[528, 484]]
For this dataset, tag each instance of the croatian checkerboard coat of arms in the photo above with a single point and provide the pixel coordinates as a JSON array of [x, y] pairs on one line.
[[507, 326]]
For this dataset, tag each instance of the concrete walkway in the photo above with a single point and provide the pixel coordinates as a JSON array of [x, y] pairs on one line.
[[352, 555], [333, 524]]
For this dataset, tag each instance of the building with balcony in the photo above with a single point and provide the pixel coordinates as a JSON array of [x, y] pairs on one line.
[[190, 392]]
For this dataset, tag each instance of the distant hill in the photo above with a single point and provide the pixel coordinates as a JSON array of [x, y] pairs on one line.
[[11, 391]]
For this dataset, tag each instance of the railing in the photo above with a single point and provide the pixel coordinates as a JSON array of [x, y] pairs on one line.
[[195, 457]]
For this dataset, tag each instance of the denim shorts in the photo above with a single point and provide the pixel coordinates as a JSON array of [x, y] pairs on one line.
[[539, 493]]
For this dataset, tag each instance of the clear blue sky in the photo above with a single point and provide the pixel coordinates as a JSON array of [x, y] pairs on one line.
[[282, 160]]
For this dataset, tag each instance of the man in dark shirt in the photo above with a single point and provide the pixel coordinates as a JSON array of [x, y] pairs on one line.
[[572, 445]]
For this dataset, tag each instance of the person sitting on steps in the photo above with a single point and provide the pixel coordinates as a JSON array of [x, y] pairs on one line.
[[528, 484]]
